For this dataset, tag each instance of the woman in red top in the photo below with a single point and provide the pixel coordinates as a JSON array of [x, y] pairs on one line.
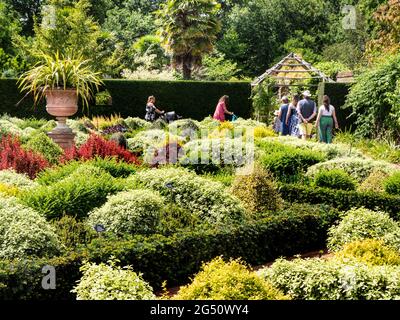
[[222, 109]]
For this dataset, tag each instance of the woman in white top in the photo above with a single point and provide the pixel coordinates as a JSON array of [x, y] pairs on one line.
[[325, 120]]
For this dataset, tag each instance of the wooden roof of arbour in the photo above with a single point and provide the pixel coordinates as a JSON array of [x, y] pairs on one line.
[[292, 68]]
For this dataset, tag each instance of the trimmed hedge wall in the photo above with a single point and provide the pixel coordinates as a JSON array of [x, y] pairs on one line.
[[338, 93], [340, 199], [178, 257], [190, 99]]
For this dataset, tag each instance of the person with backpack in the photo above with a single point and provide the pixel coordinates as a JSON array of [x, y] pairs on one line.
[[326, 120], [307, 111]]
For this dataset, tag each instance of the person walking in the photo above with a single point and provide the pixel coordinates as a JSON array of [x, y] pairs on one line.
[[151, 110], [307, 111], [222, 109], [325, 120], [292, 119], [283, 111]]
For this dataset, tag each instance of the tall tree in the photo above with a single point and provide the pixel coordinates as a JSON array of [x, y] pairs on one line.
[[189, 30]]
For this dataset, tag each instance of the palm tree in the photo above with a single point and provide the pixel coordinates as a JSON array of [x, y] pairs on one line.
[[189, 29]]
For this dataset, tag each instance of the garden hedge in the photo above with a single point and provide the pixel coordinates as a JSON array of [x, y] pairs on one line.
[[340, 199], [178, 257], [189, 99], [338, 93]]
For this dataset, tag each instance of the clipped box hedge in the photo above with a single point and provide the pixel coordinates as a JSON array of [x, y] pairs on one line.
[[178, 257], [189, 99], [340, 199]]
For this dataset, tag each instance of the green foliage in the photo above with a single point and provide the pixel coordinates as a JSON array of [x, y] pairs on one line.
[[13, 179], [42, 144], [217, 68], [110, 282], [175, 258], [264, 100], [137, 123], [23, 278], [331, 68], [189, 30], [319, 279], [220, 280], [360, 224], [24, 232], [210, 155], [370, 99], [129, 212], [73, 233], [117, 169], [257, 190], [335, 179], [342, 200], [209, 200], [370, 251], [357, 168], [374, 182], [59, 71], [285, 162], [392, 184], [75, 195]]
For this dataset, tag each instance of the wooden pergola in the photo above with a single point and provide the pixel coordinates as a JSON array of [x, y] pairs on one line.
[[292, 71]]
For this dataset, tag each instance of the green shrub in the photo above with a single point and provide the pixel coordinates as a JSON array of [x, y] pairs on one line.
[[110, 282], [175, 218], [360, 224], [374, 182], [257, 190], [340, 199], [335, 179], [73, 233], [186, 128], [209, 200], [119, 139], [76, 195], [23, 278], [331, 151], [117, 169], [220, 280], [370, 251], [319, 279], [137, 124], [284, 161], [176, 257], [42, 144], [32, 123], [392, 184], [129, 212], [210, 155], [358, 168], [24, 232], [13, 179]]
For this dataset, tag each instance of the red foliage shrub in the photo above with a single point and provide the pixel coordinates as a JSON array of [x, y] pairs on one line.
[[12, 156], [97, 146]]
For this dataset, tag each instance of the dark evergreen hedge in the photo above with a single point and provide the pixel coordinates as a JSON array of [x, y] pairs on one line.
[[340, 199], [190, 99], [178, 257]]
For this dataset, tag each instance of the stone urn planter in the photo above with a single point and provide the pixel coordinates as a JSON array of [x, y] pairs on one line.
[[62, 104]]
